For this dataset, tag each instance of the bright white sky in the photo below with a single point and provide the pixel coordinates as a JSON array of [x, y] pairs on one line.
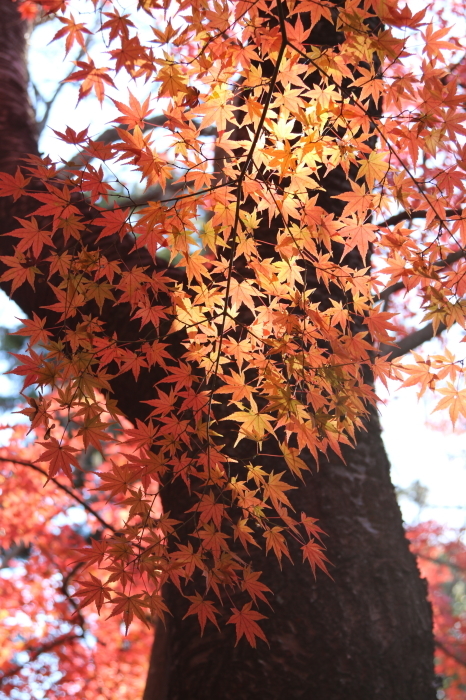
[[417, 452]]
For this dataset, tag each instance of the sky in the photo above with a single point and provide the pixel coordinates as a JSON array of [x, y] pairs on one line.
[[418, 450]]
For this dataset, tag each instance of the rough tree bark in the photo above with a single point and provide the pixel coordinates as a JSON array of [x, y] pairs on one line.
[[365, 635], [368, 633], [17, 124]]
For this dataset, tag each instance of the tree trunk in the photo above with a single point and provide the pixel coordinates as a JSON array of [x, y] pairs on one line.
[[18, 136], [367, 633], [17, 124]]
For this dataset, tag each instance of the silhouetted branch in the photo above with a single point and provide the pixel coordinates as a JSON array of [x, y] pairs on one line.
[[408, 216], [16, 551], [440, 562], [64, 488], [411, 341], [35, 653], [452, 654]]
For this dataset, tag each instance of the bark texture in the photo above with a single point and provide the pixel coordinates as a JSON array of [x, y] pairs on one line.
[[17, 123], [365, 635], [18, 135]]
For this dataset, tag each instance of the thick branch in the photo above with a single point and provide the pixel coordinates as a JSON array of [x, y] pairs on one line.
[[408, 216], [412, 341], [157, 677], [440, 562], [452, 654]]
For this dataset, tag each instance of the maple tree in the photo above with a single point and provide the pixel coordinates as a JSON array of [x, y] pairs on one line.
[[215, 339]]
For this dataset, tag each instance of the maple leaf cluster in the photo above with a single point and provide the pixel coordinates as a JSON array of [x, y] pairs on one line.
[[234, 289], [46, 642]]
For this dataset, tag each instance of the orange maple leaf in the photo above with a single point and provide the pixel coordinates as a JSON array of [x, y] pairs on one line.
[[314, 553], [245, 621], [455, 400], [358, 235], [114, 221], [204, 609], [274, 489], [91, 78], [253, 586], [134, 114], [276, 541], [374, 167], [35, 328]]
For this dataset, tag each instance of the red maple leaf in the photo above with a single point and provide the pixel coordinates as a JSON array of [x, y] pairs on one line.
[[245, 621], [60, 457]]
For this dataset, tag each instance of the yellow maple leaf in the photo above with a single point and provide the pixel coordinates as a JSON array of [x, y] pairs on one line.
[[375, 167], [254, 424]]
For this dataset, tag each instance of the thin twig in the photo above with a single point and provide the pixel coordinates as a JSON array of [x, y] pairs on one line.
[[35, 653], [49, 103], [64, 488], [82, 158]]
